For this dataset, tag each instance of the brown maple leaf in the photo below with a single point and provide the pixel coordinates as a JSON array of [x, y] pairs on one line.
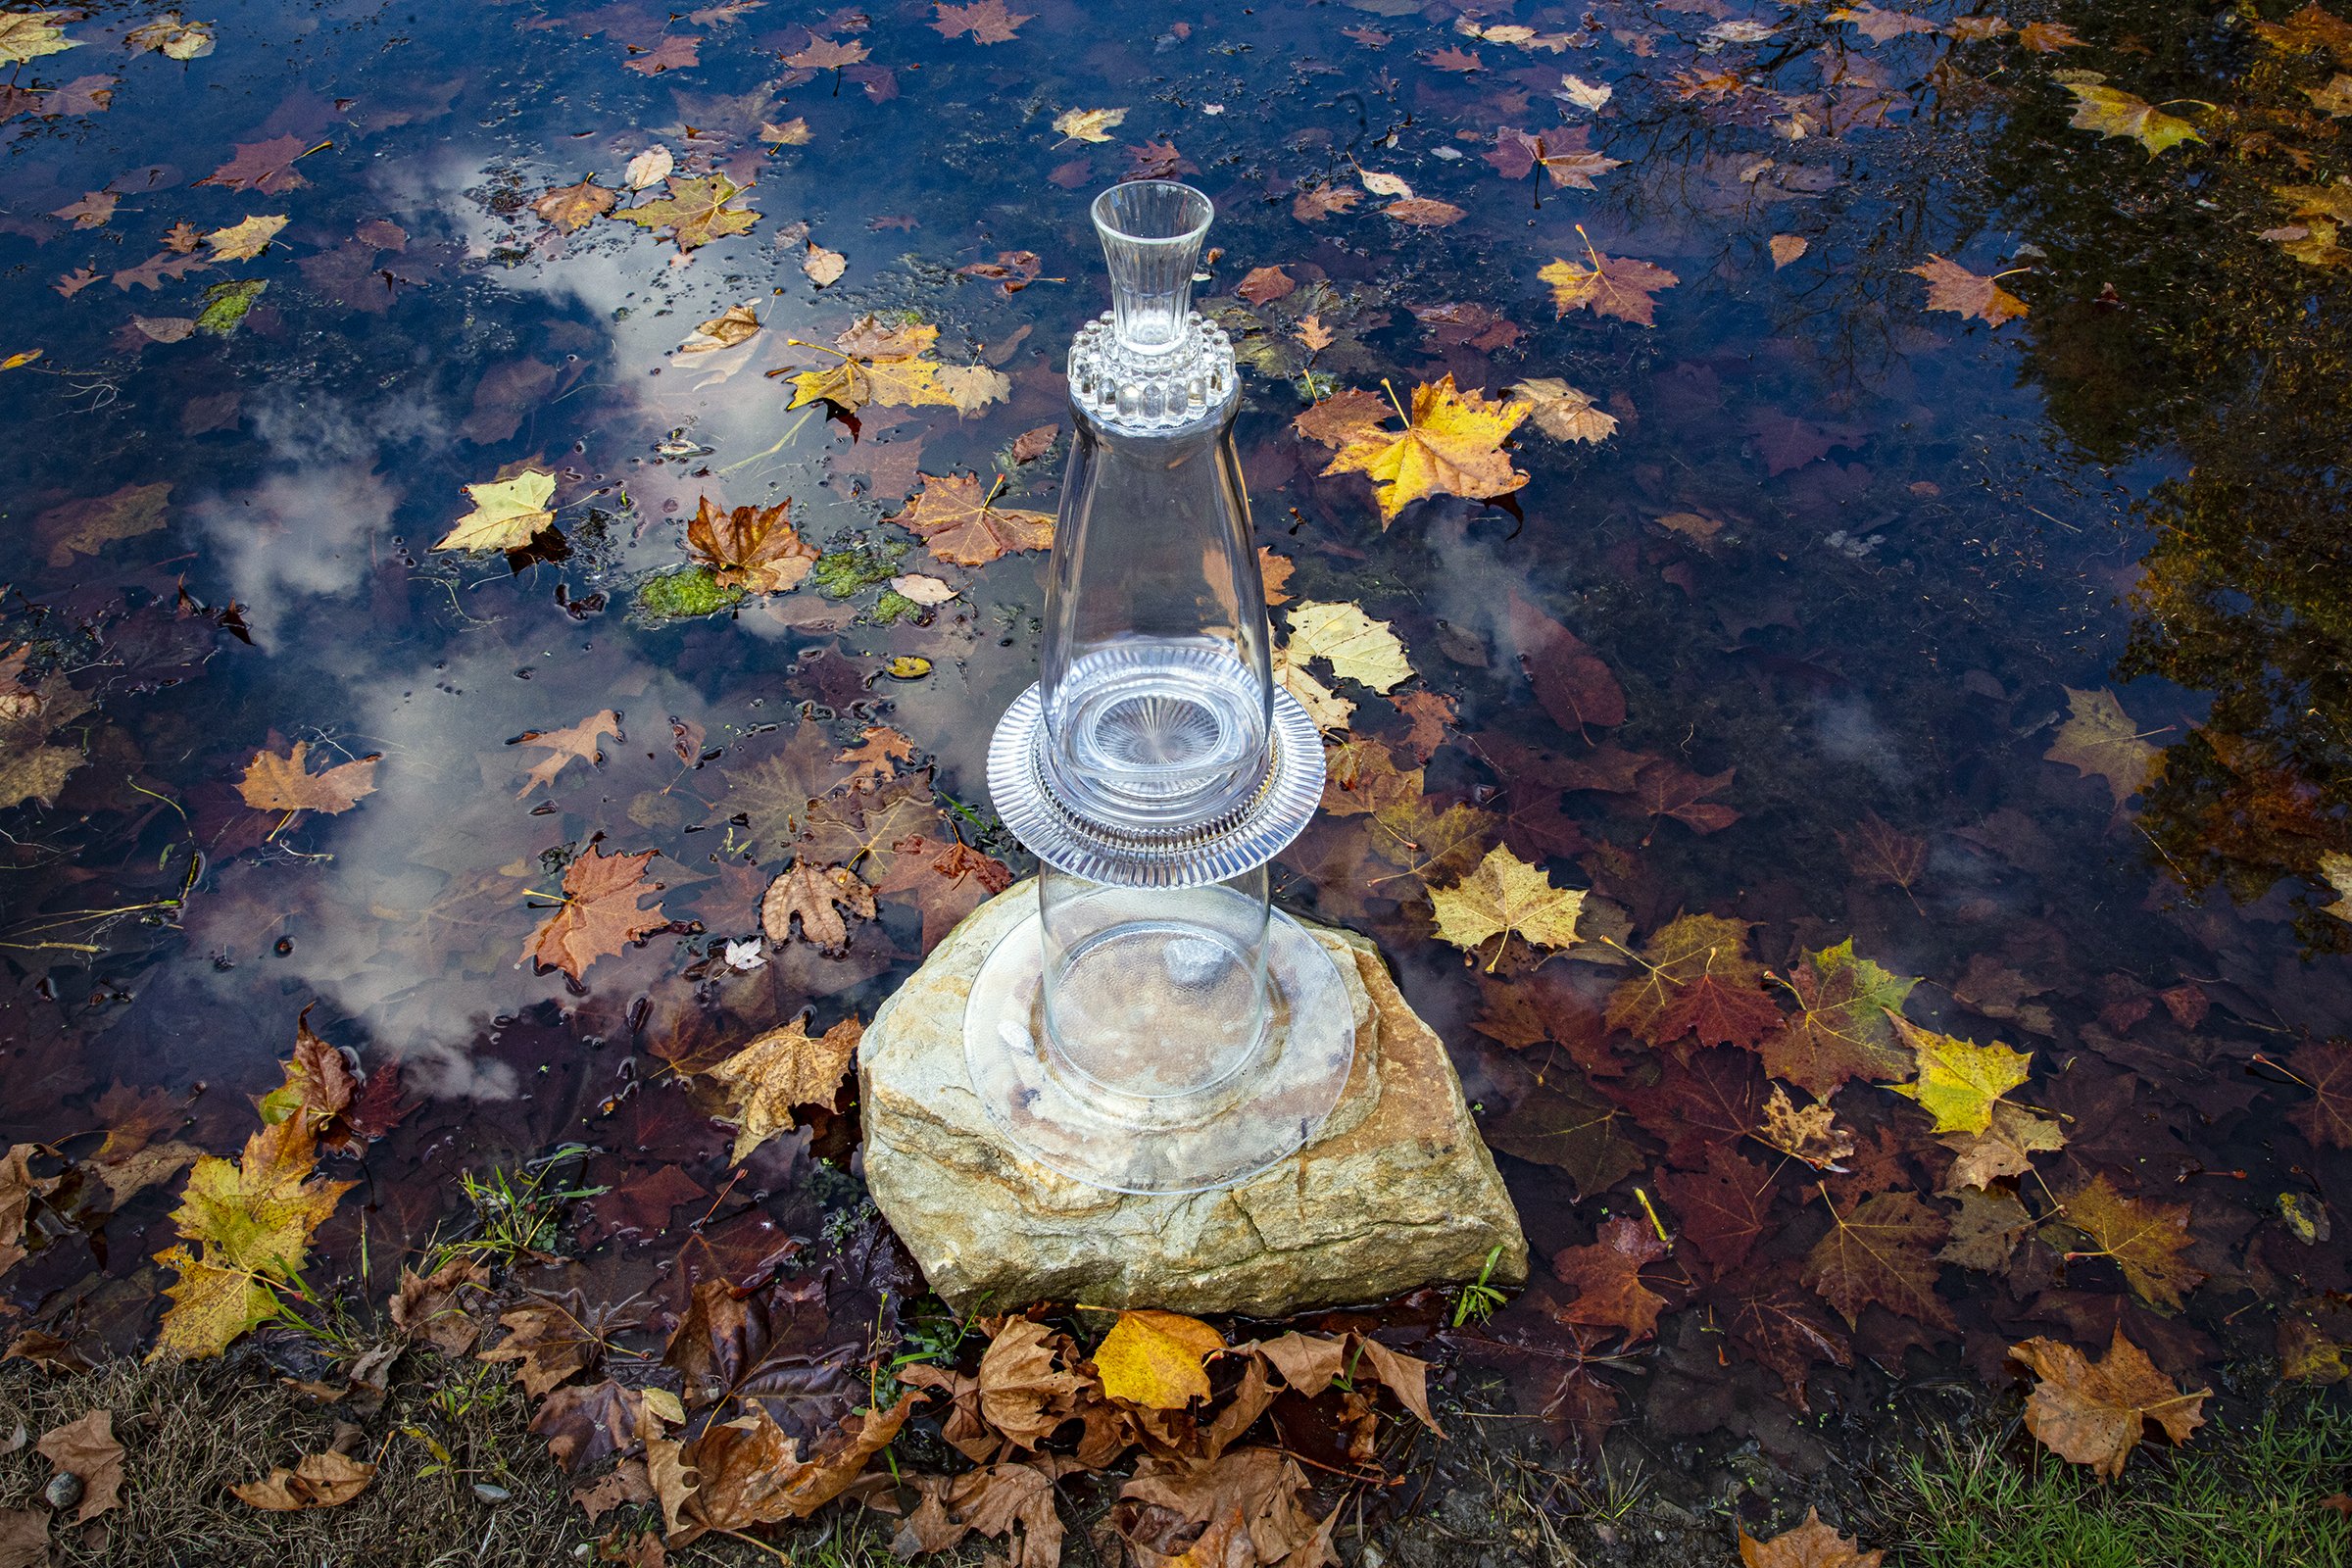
[[263, 165], [1883, 1250], [573, 207], [552, 1339], [1322, 199], [2144, 1239], [963, 525], [2093, 1414], [675, 52], [987, 20], [599, 915], [781, 1069], [1811, 1135], [877, 756], [1608, 1277], [1722, 1208], [564, 745], [814, 894], [1882, 854], [1954, 287], [945, 881], [1562, 154], [826, 54], [1811, 1545], [755, 548], [273, 783], [1668, 789]]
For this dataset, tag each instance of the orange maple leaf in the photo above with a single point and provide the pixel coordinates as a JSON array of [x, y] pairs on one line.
[[598, 915]]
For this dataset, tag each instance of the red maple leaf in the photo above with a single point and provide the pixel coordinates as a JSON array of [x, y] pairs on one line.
[[263, 165]]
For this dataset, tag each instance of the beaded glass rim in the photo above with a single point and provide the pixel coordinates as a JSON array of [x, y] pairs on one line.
[[1242, 841]]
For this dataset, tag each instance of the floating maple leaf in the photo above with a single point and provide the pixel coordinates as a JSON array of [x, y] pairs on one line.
[[826, 54], [28, 34], [1504, 895], [2099, 740], [574, 207], [1811, 1135], [2092, 1413], [1452, 444], [563, 746], [781, 1069], [1686, 951], [263, 165], [750, 547], [1355, 646], [1954, 287], [2324, 1067], [960, 524], [675, 52], [1088, 124], [599, 915], [695, 211], [1563, 413], [273, 783], [2117, 114], [814, 894], [506, 515], [1612, 285], [1562, 154], [877, 365], [1840, 1029], [987, 20]]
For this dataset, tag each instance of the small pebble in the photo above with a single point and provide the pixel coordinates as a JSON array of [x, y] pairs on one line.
[[63, 1491], [490, 1494]]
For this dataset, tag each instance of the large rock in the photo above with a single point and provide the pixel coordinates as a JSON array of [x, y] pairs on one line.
[[1395, 1191]]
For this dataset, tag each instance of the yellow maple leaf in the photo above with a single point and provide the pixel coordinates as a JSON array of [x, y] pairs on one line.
[[253, 1218], [25, 35], [2098, 739], [1325, 708], [505, 513], [1504, 895], [244, 240], [274, 783], [1451, 443], [694, 211], [781, 1069], [1357, 647], [2117, 114], [1088, 124], [1959, 1080], [1154, 1359]]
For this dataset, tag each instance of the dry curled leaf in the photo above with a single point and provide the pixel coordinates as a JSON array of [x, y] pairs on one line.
[[754, 548], [316, 1481], [1154, 1359]]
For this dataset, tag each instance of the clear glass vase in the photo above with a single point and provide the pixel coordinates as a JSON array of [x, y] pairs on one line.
[[1160, 1028]]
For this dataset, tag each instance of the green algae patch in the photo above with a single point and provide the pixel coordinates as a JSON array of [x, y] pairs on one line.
[[685, 594]]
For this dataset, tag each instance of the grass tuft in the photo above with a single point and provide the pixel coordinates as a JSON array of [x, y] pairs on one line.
[[2250, 1496]]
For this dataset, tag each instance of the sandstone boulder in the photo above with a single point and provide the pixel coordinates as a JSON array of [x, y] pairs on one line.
[[1397, 1191]]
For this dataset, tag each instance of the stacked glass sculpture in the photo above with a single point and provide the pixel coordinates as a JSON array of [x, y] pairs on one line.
[[1159, 1027]]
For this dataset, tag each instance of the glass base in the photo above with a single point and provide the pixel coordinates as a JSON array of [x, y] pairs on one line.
[[1248, 1116]]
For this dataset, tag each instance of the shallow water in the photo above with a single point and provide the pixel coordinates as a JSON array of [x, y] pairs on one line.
[[1843, 556]]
